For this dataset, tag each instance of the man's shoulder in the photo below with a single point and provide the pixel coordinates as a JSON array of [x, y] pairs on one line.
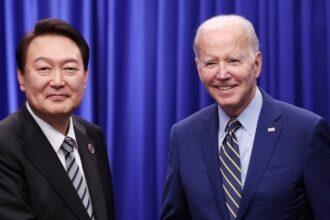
[[297, 113], [11, 134], [288, 111], [8, 124], [198, 117], [85, 125], [9, 120]]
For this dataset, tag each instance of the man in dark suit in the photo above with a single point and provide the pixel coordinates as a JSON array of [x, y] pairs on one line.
[[53, 165], [248, 156]]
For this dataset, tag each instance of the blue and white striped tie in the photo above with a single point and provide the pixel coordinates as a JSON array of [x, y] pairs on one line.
[[230, 168], [74, 174]]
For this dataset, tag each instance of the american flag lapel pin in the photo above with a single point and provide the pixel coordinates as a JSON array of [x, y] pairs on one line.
[[272, 129], [91, 148]]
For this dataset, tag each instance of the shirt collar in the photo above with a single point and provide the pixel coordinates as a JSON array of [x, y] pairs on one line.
[[248, 117], [54, 137]]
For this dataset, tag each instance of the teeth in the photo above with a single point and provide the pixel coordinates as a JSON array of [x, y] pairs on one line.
[[224, 87]]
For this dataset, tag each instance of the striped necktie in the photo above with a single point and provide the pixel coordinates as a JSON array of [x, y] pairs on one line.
[[75, 176], [230, 168]]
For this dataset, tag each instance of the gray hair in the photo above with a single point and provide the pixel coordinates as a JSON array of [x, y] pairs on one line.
[[222, 20]]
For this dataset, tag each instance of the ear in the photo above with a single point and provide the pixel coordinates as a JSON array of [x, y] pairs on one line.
[[85, 78], [198, 69], [20, 77], [258, 64]]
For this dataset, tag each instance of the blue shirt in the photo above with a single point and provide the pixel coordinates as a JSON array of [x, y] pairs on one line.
[[246, 133]]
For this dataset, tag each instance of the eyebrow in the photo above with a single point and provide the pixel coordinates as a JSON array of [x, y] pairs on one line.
[[51, 60]]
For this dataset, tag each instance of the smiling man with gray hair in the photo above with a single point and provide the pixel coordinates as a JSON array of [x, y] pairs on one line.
[[248, 156]]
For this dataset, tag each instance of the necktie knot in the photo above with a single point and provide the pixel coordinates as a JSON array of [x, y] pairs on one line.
[[233, 125], [68, 144]]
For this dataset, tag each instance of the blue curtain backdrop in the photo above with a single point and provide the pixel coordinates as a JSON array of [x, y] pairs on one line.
[[143, 77]]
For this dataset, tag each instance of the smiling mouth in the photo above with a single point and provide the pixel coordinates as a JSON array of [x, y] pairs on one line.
[[57, 97], [224, 88]]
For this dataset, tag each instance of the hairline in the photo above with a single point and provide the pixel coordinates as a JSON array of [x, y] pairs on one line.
[[222, 20]]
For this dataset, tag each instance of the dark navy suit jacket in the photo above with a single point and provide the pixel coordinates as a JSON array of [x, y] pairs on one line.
[[288, 175]]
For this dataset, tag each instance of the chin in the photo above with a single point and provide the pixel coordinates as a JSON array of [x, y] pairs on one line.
[[226, 102], [59, 111], [229, 107]]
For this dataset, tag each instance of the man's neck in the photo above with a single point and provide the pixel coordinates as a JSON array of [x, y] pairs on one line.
[[58, 122]]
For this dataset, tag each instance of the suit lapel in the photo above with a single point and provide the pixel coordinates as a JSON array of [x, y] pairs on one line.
[[88, 153], [41, 154], [267, 134], [209, 145]]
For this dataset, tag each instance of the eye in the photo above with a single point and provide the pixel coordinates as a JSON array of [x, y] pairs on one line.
[[71, 69], [44, 69], [210, 64], [233, 61]]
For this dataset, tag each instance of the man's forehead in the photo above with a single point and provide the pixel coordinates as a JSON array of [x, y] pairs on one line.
[[43, 47]]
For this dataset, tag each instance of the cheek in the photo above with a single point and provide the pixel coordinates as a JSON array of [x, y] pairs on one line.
[[206, 78], [248, 75], [249, 83], [77, 86], [35, 86]]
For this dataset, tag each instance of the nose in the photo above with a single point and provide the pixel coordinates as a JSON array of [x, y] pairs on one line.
[[222, 72], [57, 78]]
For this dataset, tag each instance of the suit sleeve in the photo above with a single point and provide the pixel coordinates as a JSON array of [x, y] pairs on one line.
[[174, 204], [317, 170], [14, 199]]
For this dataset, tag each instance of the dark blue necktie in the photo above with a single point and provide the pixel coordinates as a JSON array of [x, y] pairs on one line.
[[230, 168]]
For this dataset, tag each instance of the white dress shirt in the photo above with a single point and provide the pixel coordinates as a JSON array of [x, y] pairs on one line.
[[246, 133], [56, 139]]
